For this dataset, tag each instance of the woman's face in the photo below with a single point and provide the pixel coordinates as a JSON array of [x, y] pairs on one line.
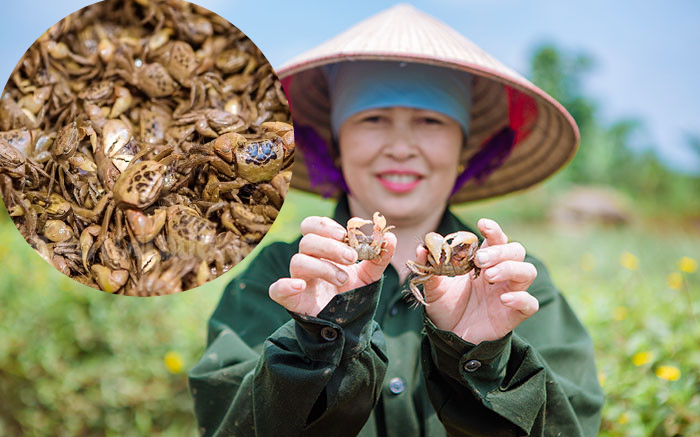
[[400, 161]]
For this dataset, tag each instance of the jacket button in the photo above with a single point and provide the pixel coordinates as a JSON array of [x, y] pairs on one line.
[[397, 386], [328, 333], [394, 310], [472, 365]]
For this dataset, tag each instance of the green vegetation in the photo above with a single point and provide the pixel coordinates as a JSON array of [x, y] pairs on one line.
[[75, 361]]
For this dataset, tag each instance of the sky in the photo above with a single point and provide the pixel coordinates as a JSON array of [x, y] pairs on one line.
[[647, 53]]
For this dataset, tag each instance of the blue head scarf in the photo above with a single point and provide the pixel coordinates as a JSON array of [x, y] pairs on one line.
[[362, 85]]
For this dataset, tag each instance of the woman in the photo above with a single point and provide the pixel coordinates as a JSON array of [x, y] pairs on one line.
[[309, 342]]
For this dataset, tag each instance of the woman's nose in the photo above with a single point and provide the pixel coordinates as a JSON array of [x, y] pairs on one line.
[[401, 145]]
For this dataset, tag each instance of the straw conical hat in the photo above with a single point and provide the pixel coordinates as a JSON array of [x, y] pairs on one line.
[[546, 136]]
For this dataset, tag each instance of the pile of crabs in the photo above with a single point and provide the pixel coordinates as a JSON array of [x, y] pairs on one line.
[[145, 146]]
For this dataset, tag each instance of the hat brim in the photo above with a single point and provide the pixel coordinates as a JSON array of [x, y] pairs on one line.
[[546, 136]]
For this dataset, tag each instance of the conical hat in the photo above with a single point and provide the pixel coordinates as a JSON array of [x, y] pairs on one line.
[[546, 136]]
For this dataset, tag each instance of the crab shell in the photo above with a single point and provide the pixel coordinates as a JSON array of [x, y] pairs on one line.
[[260, 160], [140, 185], [451, 255]]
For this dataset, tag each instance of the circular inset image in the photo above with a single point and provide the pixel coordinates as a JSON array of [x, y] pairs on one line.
[[145, 147]]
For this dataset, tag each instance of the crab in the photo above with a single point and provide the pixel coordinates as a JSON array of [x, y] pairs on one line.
[[136, 188], [451, 255], [14, 164], [62, 152], [255, 160], [368, 247], [152, 79], [178, 57], [210, 122], [116, 96]]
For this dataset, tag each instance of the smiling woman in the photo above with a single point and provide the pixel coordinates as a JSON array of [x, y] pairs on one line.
[[398, 117], [399, 159]]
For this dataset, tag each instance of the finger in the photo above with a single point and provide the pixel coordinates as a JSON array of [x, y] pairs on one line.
[[521, 301], [517, 272], [430, 287], [323, 226], [286, 291], [371, 271], [490, 256], [421, 254], [492, 233], [307, 267], [324, 247]]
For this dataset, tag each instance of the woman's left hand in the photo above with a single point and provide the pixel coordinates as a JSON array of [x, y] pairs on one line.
[[490, 306]]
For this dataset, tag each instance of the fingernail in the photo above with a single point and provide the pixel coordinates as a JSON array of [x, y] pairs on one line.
[[339, 234], [342, 277], [349, 255], [298, 285], [507, 298], [482, 256]]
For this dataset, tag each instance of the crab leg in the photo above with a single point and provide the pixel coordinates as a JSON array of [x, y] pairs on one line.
[[102, 236], [415, 291]]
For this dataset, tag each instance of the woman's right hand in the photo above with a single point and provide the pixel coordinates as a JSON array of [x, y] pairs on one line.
[[326, 266]]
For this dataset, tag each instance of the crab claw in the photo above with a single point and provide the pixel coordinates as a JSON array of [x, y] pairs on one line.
[[356, 222], [226, 145], [284, 130], [461, 237], [379, 221], [436, 244]]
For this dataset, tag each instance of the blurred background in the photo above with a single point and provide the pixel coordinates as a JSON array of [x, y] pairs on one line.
[[619, 228]]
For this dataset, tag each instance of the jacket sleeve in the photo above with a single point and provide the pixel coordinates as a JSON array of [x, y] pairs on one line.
[[539, 380], [269, 372]]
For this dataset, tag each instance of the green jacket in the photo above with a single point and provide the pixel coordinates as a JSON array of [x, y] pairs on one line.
[[371, 365]]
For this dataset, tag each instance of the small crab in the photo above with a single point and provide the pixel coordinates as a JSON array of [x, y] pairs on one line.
[[13, 162], [451, 255], [256, 159], [368, 247], [178, 57], [63, 151], [152, 79]]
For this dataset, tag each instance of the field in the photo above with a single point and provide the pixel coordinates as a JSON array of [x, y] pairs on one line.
[[75, 361]]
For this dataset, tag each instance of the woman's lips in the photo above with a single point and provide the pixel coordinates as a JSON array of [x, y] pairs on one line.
[[399, 182]]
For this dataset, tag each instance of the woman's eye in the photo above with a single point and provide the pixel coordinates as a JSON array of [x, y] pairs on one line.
[[431, 120], [372, 119]]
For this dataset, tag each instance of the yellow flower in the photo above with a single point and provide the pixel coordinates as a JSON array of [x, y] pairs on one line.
[[619, 313], [629, 261], [173, 362], [601, 378], [587, 262], [642, 358], [624, 418], [675, 280], [687, 265], [669, 373]]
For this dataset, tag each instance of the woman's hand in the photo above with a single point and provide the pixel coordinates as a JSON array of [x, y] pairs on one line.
[[324, 267], [492, 305]]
